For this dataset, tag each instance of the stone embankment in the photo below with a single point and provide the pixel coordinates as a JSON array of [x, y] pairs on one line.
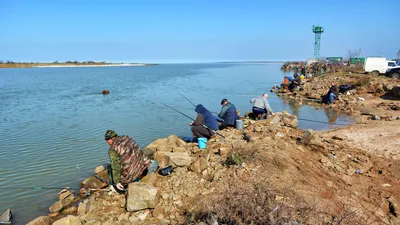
[[371, 98], [270, 172]]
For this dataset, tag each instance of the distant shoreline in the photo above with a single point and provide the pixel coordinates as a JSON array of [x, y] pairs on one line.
[[59, 65]]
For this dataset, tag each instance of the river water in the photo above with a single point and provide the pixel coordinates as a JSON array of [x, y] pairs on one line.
[[53, 119]]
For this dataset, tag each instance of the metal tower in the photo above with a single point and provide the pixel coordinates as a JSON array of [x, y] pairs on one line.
[[398, 54], [317, 30]]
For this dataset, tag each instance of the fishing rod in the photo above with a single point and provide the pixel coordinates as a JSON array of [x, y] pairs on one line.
[[186, 98], [102, 180], [191, 119]]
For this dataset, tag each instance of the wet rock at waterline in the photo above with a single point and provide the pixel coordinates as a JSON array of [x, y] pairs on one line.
[[93, 182], [6, 217], [141, 196]]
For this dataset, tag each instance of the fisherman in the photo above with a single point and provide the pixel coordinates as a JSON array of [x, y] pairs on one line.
[[205, 124], [303, 70], [331, 95], [228, 114], [295, 82], [128, 161], [261, 106], [285, 83]]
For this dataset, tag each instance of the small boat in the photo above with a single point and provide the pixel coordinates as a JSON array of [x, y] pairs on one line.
[[6, 217]]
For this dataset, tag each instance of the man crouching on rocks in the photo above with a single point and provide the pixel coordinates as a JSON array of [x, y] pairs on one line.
[[128, 161]]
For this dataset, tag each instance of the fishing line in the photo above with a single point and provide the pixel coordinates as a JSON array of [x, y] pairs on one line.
[[102, 180]]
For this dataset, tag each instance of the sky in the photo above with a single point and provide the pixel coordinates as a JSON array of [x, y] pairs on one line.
[[158, 31]]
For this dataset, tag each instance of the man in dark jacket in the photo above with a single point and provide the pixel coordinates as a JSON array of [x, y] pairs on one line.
[[205, 124], [228, 114]]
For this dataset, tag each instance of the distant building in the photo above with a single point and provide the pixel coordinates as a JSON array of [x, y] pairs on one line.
[[334, 59], [357, 60]]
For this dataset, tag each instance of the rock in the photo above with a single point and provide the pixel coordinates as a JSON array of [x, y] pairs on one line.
[[388, 87], [64, 194], [6, 217], [396, 91], [234, 159], [69, 220], [142, 215], [393, 207], [162, 159], [141, 196], [376, 117], [41, 220], [291, 122], [56, 207], [308, 135], [93, 182], [82, 208], [339, 137], [179, 158], [223, 151], [273, 120], [99, 169], [69, 210], [172, 143], [199, 165], [149, 179]]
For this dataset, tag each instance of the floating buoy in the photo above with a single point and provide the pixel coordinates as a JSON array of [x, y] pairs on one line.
[[105, 92]]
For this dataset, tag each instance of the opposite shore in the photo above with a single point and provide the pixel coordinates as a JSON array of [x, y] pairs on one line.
[[50, 65]]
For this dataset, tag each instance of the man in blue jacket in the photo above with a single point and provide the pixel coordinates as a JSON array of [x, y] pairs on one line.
[[205, 124], [228, 114]]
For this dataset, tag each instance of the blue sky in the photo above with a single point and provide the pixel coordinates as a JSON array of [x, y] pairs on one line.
[[194, 30]]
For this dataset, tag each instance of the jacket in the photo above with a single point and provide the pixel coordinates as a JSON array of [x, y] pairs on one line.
[[127, 160], [261, 102], [228, 114], [207, 118]]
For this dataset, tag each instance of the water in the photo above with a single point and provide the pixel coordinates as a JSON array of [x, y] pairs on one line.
[[52, 119]]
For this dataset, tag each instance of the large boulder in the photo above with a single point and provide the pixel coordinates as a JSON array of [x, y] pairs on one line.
[[41, 220], [290, 121], [141, 196], [172, 143], [199, 165], [69, 220], [179, 159], [162, 159], [95, 183]]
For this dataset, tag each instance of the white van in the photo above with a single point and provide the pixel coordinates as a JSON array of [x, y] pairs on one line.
[[375, 65]]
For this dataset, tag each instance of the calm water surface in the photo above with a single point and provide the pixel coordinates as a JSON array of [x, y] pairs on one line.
[[52, 119]]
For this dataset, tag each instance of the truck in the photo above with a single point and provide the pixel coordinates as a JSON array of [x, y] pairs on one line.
[[378, 65]]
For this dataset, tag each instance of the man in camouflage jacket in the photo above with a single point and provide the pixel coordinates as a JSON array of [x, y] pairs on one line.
[[127, 159]]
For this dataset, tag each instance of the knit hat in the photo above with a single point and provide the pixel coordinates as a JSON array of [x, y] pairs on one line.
[[110, 134], [224, 100]]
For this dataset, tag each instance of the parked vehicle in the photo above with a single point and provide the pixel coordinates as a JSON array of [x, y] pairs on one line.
[[377, 65], [393, 73], [392, 64]]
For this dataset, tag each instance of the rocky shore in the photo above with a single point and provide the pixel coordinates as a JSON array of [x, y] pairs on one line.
[[270, 172]]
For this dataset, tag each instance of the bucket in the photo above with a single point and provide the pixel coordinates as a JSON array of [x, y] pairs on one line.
[[239, 124], [202, 142]]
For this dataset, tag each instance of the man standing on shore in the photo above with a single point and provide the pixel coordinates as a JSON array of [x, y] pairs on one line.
[[127, 159]]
